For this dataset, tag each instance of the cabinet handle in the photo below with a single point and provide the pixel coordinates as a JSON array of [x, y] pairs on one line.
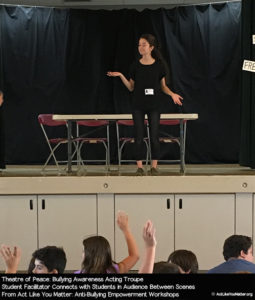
[[43, 203], [31, 206], [168, 203], [180, 203]]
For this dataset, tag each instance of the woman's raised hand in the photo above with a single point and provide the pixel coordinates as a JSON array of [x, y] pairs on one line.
[[113, 74], [128, 83], [149, 234]]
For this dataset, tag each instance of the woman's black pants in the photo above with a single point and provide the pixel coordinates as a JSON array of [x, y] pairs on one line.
[[153, 118]]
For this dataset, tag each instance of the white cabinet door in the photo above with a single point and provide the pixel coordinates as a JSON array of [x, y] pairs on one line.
[[202, 223], [18, 223], [159, 209], [244, 212], [64, 221]]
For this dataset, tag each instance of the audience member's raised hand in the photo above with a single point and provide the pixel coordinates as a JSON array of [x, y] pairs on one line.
[[150, 248], [11, 258], [133, 254], [122, 220], [149, 234]]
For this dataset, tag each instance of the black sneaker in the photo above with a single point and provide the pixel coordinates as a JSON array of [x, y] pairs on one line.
[[139, 172], [154, 172]]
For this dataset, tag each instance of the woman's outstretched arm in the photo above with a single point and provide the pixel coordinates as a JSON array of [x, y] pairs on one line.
[[176, 98], [128, 83]]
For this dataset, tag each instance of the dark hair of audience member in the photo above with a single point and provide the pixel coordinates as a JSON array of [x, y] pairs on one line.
[[97, 256], [235, 244], [51, 256], [165, 267], [185, 259]]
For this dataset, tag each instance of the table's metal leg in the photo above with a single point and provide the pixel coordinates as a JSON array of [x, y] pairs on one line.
[[69, 146], [182, 147], [108, 163]]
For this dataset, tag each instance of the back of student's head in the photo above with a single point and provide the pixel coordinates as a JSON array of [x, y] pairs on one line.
[[51, 256], [97, 256], [185, 259], [165, 267], [234, 244]]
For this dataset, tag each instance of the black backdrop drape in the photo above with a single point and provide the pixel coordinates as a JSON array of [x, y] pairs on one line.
[[247, 149], [33, 46], [55, 61]]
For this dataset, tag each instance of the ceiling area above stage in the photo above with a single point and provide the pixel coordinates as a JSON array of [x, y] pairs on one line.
[[110, 4]]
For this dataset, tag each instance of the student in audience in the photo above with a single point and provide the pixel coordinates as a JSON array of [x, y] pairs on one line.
[[164, 267], [185, 259], [97, 256], [238, 255], [47, 260]]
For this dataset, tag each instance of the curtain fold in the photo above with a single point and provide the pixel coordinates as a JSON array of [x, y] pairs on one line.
[[247, 148]]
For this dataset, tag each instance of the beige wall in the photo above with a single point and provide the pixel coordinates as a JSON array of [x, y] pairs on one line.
[[127, 184]]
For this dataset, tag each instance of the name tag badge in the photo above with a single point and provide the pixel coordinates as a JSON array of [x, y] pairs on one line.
[[149, 92]]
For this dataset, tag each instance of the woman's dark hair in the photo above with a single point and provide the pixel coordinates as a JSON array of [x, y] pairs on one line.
[[151, 39], [234, 244], [1, 93], [98, 257], [185, 259], [156, 53]]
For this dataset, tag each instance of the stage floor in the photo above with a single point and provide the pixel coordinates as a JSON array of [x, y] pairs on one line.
[[127, 170], [95, 179]]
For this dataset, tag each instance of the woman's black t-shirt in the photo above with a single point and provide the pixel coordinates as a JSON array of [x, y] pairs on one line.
[[147, 89]]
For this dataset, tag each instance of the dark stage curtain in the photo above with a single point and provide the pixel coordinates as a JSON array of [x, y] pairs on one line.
[[247, 151], [2, 131], [33, 43], [55, 61], [203, 45]]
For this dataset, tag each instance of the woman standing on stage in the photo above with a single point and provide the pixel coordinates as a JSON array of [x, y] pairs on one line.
[[147, 78]]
